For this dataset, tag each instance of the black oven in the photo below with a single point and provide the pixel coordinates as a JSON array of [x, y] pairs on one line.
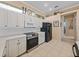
[[32, 40]]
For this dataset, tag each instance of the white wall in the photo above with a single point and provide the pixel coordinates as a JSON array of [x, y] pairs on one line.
[[77, 25], [55, 30]]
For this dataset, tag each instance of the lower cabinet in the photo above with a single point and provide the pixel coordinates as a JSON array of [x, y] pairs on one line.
[[15, 46], [12, 48], [5, 51], [21, 45], [41, 37]]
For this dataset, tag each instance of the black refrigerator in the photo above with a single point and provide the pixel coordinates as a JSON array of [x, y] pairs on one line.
[[47, 28]]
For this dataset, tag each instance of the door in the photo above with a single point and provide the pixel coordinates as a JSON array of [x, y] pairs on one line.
[[12, 19], [12, 48], [69, 27], [3, 17]]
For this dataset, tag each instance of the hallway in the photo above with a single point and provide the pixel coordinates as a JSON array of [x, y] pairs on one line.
[[54, 48]]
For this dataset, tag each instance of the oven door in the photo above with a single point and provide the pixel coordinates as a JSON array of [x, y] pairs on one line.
[[32, 42]]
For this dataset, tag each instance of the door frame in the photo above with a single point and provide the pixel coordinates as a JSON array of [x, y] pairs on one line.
[[62, 27]]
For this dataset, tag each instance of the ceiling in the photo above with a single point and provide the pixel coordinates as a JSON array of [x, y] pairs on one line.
[[49, 7]]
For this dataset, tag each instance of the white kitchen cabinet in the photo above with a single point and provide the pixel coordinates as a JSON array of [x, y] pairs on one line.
[[38, 22], [20, 19], [12, 19], [35, 21], [31, 21], [16, 45], [5, 51], [3, 17], [28, 21], [12, 48], [22, 45], [41, 37]]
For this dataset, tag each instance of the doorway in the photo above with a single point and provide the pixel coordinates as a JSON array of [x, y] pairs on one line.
[[69, 27]]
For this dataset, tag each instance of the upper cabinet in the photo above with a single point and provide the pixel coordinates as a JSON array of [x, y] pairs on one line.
[[3, 17], [28, 21], [20, 20], [31, 21], [12, 19], [38, 22], [15, 20]]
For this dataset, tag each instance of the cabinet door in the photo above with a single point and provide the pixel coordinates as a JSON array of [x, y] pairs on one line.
[[21, 20], [12, 19], [40, 22], [3, 17], [29, 21], [22, 45], [5, 52], [34, 21], [13, 48]]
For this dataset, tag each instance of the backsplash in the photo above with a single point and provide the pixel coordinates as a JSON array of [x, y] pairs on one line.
[[12, 31]]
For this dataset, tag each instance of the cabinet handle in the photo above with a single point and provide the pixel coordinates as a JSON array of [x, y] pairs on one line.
[[18, 43], [5, 47], [16, 25], [4, 55], [5, 25]]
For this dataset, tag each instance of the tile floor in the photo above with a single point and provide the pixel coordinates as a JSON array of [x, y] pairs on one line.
[[54, 48]]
